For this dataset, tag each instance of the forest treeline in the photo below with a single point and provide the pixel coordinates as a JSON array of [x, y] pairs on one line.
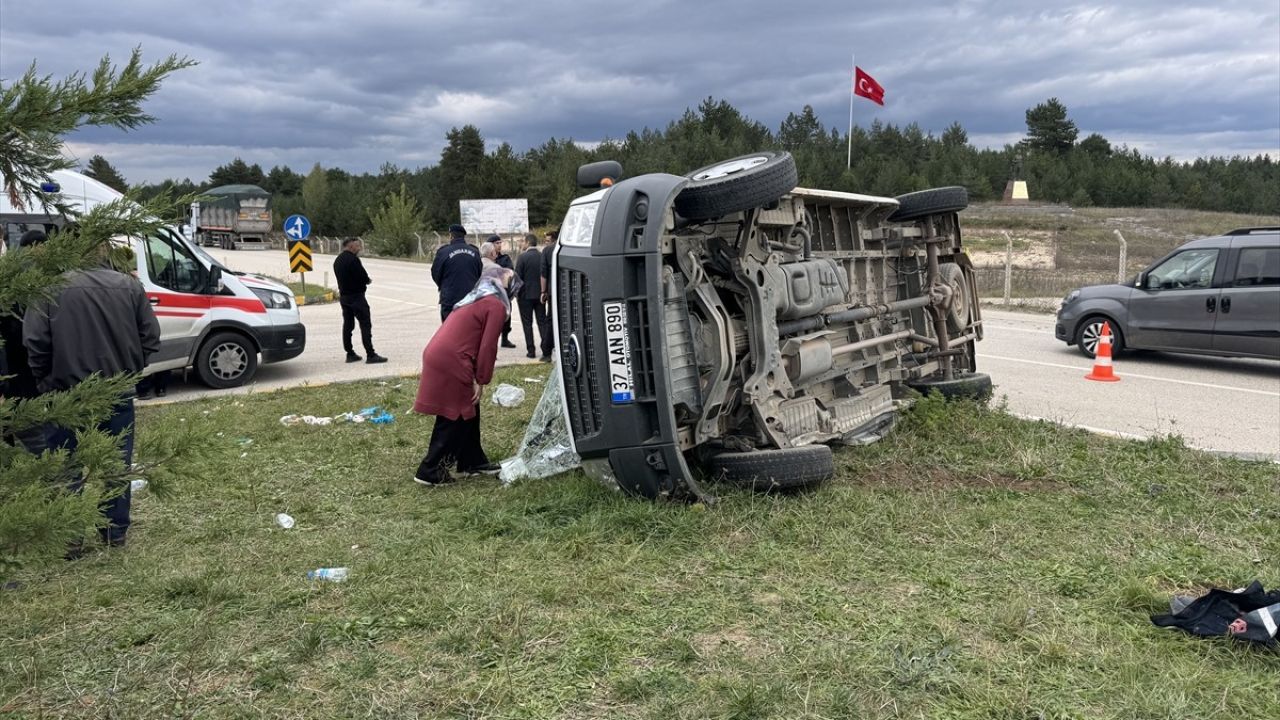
[[886, 160]]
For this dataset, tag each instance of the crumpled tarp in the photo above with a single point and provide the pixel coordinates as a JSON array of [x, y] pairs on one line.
[[546, 449]]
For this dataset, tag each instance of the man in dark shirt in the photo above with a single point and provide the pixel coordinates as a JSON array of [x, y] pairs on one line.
[[100, 322], [456, 269], [352, 282], [548, 257], [22, 384], [529, 270], [503, 260]]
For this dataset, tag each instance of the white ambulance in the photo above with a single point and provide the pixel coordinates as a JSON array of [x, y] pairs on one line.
[[213, 319]]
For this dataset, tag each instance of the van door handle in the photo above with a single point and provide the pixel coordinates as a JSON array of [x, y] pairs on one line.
[[1209, 303], [1226, 304], [153, 300]]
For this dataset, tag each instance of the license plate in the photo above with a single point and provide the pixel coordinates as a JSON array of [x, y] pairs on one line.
[[618, 347]]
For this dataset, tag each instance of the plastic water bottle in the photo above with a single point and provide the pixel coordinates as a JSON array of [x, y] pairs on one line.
[[330, 574], [137, 485], [284, 520]]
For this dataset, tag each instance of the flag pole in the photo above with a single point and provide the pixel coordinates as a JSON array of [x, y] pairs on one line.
[[853, 74]]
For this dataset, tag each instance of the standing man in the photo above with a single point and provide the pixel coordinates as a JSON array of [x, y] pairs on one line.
[[548, 257], [352, 282], [99, 322], [456, 269], [503, 260], [529, 270]]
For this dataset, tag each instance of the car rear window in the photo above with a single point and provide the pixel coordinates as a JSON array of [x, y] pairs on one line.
[[1258, 266]]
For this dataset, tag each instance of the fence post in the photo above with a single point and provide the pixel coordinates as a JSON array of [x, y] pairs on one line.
[[1008, 267], [1124, 257], [420, 253]]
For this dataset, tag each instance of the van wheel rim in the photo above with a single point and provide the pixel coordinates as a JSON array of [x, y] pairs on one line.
[[228, 361], [731, 167]]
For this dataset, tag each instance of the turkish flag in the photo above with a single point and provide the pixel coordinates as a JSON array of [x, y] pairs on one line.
[[867, 87]]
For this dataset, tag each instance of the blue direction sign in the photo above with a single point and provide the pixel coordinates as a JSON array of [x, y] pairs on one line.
[[297, 227]]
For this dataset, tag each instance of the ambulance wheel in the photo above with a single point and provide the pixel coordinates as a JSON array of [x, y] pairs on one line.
[[226, 360]]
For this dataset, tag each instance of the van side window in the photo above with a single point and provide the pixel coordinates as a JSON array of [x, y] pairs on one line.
[[1258, 266], [171, 266], [1189, 269]]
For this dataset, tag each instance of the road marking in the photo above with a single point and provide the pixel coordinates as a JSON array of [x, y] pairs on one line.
[[405, 302], [1213, 386], [1037, 331]]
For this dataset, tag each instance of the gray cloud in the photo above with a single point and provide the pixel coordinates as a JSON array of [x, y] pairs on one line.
[[364, 82]]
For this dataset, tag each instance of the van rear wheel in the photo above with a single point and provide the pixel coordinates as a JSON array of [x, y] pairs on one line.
[[226, 360]]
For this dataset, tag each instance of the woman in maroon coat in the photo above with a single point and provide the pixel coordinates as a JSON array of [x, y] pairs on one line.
[[456, 364]]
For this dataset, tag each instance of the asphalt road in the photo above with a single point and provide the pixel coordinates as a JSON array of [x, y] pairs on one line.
[[1222, 404], [406, 313]]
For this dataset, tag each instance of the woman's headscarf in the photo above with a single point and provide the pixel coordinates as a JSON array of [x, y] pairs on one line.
[[493, 281]]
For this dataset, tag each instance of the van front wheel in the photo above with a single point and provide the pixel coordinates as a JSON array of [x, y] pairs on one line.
[[226, 360]]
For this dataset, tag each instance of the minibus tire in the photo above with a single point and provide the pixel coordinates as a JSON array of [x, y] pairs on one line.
[[226, 360]]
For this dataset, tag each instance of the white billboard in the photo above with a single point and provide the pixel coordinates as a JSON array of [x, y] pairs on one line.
[[503, 217]]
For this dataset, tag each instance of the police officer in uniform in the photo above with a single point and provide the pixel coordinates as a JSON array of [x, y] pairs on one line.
[[456, 269]]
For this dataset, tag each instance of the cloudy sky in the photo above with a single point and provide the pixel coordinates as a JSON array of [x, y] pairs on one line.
[[358, 83]]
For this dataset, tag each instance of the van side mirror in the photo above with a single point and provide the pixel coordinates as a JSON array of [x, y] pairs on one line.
[[1140, 281], [599, 174], [215, 286]]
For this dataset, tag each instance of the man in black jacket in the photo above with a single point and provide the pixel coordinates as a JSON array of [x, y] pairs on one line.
[[22, 384], [548, 258], [99, 322], [352, 282], [456, 269], [529, 270], [503, 260]]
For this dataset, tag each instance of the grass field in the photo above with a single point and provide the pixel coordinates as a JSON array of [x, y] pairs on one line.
[[972, 565]]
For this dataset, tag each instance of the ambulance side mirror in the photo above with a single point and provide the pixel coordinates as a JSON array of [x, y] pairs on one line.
[[215, 286]]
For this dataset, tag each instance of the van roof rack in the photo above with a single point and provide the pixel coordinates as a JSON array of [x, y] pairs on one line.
[[1251, 230]]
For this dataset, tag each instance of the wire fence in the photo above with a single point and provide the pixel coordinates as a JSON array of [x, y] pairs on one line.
[[1035, 282]]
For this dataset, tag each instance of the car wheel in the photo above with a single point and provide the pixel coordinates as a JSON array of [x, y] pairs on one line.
[[964, 386], [226, 360], [736, 185], [1089, 332], [913, 206], [961, 308], [774, 470]]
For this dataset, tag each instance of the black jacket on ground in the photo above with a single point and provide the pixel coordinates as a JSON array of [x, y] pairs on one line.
[[352, 278], [99, 322], [529, 270], [456, 269]]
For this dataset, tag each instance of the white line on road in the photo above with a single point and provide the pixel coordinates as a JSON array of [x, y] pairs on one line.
[[1036, 331], [397, 300], [1214, 386]]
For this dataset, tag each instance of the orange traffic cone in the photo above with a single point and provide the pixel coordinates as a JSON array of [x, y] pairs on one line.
[[1102, 371]]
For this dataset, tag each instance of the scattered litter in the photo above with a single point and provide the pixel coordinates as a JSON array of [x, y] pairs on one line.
[[244, 441], [244, 455], [508, 396], [206, 412], [355, 547], [285, 521], [338, 574], [532, 380], [545, 449], [137, 485], [1249, 613], [375, 415]]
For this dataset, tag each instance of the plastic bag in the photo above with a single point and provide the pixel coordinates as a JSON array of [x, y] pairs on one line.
[[508, 396], [546, 449]]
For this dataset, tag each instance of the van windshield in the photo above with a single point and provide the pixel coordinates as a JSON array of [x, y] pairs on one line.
[[199, 252]]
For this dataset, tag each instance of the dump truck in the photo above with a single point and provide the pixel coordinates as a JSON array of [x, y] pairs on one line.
[[233, 217], [727, 324]]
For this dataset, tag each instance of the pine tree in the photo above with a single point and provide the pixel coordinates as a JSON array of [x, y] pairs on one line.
[[315, 195], [396, 225], [102, 171], [38, 517], [1049, 129]]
